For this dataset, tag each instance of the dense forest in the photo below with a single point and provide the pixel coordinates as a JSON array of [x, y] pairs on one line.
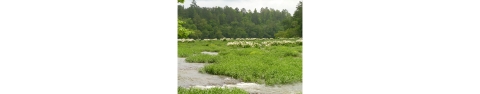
[[227, 22]]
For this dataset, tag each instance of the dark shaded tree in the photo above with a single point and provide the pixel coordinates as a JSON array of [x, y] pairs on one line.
[[229, 22], [292, 25]]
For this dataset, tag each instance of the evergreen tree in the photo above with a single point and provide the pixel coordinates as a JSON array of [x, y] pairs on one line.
[[229, 22]]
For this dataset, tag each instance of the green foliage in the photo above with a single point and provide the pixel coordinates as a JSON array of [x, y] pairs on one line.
[[188, 49], [181, 1], [219, 22], [292, 26], [202, 58], [182, 31], [268, 68], [281, 34], [215, 90], [271, 65]]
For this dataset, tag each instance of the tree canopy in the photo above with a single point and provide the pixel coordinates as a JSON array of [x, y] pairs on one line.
[[182, 31], [219, 22], [293, 26]]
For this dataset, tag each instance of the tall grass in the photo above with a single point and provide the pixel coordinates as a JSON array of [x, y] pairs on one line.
[[275, 66], [271, 65], [188, 49]]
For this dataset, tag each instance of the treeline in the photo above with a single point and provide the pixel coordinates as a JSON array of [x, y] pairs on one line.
[[229, 22]]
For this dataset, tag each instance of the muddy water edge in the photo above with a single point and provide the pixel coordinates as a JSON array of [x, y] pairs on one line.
[[189, 76]]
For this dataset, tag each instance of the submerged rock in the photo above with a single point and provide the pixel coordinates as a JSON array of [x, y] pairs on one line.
[[210, 53]]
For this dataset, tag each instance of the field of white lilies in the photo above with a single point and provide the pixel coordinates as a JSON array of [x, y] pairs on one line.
[[253, 42]]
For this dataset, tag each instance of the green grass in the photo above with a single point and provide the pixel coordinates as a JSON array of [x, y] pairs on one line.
[[202, 58], [188, 49], [215, 90], [268, 69], [271, 65]]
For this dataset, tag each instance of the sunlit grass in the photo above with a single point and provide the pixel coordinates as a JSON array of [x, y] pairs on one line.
[[271, 65], [259, 66]]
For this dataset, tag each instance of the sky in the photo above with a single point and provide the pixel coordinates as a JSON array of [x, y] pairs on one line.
[[290, 5]]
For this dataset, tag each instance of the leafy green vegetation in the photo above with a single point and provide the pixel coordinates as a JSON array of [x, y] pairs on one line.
[[293, 25], [244, 42], [215, 90], [271, 65], [182, 31], [202, 58], [232, 22]]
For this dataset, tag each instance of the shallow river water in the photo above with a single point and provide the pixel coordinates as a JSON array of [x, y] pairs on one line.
[[189, 76]]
